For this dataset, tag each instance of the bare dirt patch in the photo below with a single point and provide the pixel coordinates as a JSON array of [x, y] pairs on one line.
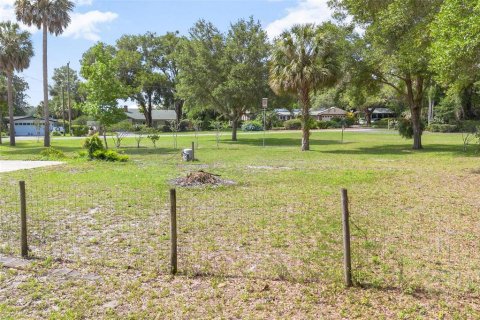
[[201, 178]]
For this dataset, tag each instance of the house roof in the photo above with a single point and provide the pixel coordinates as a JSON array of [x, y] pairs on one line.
[[323, 111], [383, 110], [135, 114], [28, 118]]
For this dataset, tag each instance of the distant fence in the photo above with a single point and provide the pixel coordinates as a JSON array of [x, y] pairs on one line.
[[238, 234]]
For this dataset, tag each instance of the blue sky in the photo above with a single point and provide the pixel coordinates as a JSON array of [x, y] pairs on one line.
[[107, 20]]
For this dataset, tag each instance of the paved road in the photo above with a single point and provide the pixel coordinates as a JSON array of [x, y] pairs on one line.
[[14, 165]]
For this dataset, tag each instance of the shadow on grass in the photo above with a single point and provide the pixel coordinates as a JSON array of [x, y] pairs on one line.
[[148, 151], [401, 149], [290, 142], [34, 151]]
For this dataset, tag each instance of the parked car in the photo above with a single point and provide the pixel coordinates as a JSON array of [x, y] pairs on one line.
[[60, 130]]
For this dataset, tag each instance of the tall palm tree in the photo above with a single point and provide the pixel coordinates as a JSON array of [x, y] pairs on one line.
[[52, 16], [16, 50], [303, 61]]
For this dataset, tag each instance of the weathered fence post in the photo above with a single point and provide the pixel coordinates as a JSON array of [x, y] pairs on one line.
[[23, 220], [173, 231], [193, 151], [347, 258]]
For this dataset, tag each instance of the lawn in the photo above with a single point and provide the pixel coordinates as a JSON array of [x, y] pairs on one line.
[[267, 247]]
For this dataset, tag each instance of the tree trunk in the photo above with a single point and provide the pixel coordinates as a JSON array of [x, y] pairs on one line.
[[368, 117], [10, 107], [415, 103], [431, 103], [149, 111], [63, 110], [466, 103], [179, 109], [417, 127], [69, 102], [46, 141], [234, 129], [305, 103], [1, 125]]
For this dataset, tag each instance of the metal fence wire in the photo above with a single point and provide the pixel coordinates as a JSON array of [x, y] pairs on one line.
[[240, 232]]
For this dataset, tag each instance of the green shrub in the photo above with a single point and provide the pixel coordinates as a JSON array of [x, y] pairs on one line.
[[332, 124], [185, 125], [468, 125], [109, 155], [405, 128], [56, 134], [382, 123], [437, 127], [153, 136], [52, 153], [252, 126], [165, 128], [122, 126], [293, 124], [321, 124], [93, 144], [79, 130], [98, 154], [81, 121]]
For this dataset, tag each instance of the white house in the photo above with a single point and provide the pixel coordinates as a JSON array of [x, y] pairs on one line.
[[159, 117], [30, 125]]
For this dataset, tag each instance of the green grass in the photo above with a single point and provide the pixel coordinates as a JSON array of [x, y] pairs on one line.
[[267, 247]]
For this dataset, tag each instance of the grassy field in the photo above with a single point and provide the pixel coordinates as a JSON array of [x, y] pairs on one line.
[[267, 247]]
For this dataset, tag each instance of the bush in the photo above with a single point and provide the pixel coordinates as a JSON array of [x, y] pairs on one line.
[[109, 155], [52, 153], [382, 123], [405, 128], [185, 125], [153, 136], [93, 144], [436, 127], [80, 121], [165, 128], [350, 119], [321, 124], [252, 126], [468, 125], [79, 130], [293, 124], [332, 124], [56, 134], [122, 126]]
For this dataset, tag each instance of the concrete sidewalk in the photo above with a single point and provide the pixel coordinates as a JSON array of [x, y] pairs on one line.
[[14, 165]]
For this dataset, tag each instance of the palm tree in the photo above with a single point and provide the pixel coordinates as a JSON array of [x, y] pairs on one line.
[[303, 61], [16, 50], [51, 16]]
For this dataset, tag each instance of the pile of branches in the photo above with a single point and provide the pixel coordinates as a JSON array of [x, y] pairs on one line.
[[201, 178]]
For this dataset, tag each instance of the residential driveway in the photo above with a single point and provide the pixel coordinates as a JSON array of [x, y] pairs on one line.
[[14, 165]]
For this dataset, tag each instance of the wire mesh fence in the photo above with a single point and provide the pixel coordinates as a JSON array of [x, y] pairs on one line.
[[242, 232], [114, 227]]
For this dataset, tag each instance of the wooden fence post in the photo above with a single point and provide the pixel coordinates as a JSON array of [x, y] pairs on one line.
[[173, 231], [23, 220], [347, 258]]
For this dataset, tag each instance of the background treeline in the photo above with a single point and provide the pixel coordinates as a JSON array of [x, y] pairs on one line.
[[418, 58]]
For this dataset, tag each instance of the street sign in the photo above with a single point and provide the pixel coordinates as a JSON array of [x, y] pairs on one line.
[[264, 103]]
